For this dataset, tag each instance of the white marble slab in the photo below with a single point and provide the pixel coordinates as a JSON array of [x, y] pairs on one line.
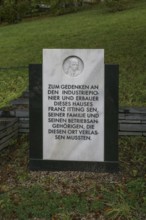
[[73, 104]]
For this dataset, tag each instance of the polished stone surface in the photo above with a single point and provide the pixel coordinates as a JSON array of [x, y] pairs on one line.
[[73, 104]]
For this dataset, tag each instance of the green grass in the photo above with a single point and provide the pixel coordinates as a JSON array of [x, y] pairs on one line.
[[12, 84], [24, 203], [121, 34], [73, 195]]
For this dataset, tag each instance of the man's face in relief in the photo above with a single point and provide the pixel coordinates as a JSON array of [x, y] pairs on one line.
[[74, 64]]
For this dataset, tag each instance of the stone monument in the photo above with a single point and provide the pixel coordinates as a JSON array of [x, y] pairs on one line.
[[73, 105], [76, 130]]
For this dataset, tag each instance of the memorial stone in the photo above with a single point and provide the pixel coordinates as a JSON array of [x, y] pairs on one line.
[[73, 111], [73, 104]]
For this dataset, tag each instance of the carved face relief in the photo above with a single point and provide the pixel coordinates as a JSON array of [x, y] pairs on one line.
[[73, 66]]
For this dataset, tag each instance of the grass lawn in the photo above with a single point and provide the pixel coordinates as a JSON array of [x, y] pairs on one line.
[[73, 195], [121, 34]]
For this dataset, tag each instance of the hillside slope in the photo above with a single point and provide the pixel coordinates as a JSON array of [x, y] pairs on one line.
[[121, 34]]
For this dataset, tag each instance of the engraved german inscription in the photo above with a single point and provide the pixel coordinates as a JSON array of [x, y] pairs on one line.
[[73, 104], [77, 123]]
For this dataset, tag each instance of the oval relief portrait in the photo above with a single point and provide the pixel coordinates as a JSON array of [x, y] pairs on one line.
[[73, 66]]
